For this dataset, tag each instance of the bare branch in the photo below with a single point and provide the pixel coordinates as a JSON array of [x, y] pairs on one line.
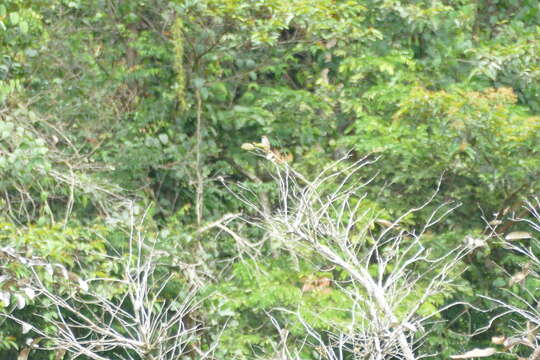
[[391, 275]]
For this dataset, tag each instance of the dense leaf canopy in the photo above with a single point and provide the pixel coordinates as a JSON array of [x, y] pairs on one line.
[[158, 109]]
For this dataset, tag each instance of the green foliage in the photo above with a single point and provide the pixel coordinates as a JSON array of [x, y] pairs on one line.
[[260, 289], [98, 109], [71, 253]]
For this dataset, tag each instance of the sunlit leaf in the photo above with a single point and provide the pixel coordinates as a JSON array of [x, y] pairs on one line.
[[517, 235], [476, 353]]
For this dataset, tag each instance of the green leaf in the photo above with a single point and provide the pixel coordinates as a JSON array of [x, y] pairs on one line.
[[164, 139], [31, 53], [23, 27], [14, 18]]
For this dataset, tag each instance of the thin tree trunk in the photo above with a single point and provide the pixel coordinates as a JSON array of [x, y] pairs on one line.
[[200, 184]]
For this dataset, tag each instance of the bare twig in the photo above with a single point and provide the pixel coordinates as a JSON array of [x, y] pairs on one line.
[[139, 322], [391, 275]]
